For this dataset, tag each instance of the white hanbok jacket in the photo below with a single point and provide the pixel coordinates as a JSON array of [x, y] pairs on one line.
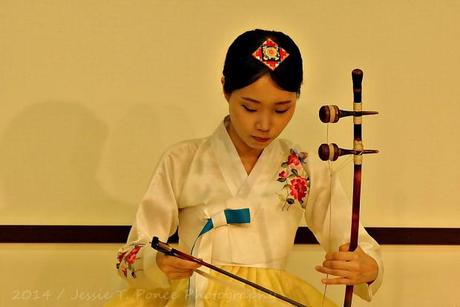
[[199, 183]]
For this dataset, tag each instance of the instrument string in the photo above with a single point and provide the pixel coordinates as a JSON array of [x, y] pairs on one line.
[[333, 171], [329, 164], [344, 163]]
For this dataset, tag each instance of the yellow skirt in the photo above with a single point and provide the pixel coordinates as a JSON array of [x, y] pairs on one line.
[[223, 291]]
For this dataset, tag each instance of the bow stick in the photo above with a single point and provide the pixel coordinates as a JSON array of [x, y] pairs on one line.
[[331, 114], [168, 250]]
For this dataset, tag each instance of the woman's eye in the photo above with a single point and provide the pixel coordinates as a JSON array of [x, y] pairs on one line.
[[281, 111], [248, 109]]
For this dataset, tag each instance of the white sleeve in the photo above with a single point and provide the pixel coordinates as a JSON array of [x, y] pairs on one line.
[[328, 215], [157, 215]]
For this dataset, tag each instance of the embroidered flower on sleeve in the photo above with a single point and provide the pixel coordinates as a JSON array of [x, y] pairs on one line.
[[297, 183], [126, 260], [120, 256], [131, 257]]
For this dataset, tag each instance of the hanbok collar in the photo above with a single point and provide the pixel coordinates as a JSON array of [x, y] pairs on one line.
[[231, 166]]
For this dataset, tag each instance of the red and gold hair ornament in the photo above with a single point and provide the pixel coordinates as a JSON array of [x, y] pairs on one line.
[[271, 54]]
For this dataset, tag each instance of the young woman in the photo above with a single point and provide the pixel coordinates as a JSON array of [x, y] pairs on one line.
[[237, 197]]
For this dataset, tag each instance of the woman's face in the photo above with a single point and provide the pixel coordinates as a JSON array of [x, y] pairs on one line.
[[259, 112]]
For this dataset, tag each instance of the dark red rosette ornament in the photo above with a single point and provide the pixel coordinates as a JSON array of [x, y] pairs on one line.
[[271, 54]]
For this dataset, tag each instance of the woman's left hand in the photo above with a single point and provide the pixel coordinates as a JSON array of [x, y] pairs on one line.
[[350, 268]]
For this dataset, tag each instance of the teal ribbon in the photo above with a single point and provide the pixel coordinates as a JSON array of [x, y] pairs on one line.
[[233, 216]]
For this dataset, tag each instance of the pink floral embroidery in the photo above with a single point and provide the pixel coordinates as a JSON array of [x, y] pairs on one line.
[[298, 188], [283, 175], [132, 254], [121, 256], [293, 160], [127, 258], [297, 183]]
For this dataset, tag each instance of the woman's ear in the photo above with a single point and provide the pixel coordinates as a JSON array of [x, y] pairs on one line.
[[227, 96]]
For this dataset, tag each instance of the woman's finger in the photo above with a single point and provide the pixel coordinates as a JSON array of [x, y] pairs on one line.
[[341, 265], [346, 256], [335, 272], [338, 281], [176, 275], [182, 264]]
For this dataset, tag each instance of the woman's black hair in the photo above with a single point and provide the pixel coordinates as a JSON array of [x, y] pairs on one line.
[[241, 68]]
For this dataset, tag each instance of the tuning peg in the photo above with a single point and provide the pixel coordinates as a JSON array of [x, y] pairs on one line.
[[332, 113], [332, 152]]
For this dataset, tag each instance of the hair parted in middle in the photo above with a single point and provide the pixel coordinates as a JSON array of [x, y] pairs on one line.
[[242, 68]]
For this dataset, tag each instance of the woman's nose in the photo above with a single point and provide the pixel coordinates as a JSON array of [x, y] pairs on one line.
[[263, 123]]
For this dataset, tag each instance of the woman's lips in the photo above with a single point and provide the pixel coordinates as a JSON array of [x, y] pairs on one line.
[[261, 140]]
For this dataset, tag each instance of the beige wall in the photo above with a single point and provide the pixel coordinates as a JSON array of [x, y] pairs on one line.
[[91, 93]]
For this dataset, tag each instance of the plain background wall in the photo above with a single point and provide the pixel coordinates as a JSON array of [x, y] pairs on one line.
[[92, 92]]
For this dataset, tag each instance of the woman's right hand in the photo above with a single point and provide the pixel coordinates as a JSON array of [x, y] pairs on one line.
[[175, 268]]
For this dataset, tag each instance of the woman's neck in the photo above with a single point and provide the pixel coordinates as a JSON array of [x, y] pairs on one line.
[[248, 155]]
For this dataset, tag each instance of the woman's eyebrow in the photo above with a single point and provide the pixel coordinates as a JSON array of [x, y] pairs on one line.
[[257, 101], [250, 99], [283, 102]]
